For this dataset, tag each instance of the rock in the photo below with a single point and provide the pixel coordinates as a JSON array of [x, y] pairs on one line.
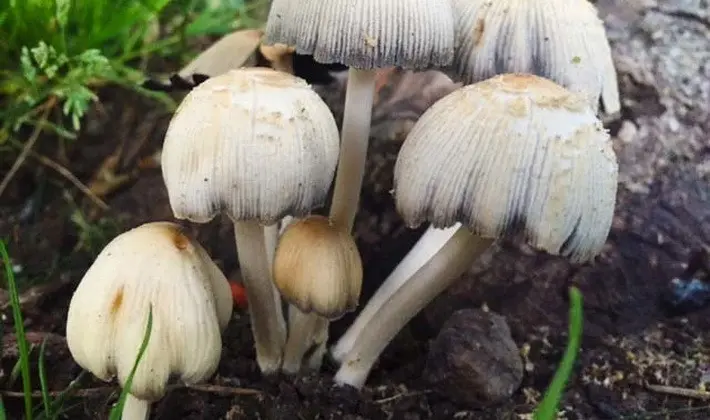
[[474, 360]]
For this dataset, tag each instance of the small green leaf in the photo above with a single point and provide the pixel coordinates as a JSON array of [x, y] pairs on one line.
[[41, 54], [29, 71], [576, 59], [62, 12]]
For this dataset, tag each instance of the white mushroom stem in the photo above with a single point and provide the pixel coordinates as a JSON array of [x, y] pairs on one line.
[[426, 247], [305, 332], [267, 321], [271, 238], [135, 409], [359, 97], [434, 277]]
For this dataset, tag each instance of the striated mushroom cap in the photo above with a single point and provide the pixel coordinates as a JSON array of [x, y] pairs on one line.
[[366, 34], [255, 143], [513, 153], [152, 265], [317, 268], [562, 40]]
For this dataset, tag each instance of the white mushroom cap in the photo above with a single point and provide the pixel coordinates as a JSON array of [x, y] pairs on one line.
[[562, 40], [509, 154], [366, 34], [152, 265], [256, 143]]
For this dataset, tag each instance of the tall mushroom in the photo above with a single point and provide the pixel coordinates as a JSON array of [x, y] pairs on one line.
[[258, 145], [364, 35], [515, 154], [317, 268], [562, 40], [152, 266]]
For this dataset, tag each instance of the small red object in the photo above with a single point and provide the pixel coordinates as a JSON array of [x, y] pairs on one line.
[[239, 295]]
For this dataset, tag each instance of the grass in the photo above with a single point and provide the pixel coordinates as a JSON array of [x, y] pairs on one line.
[[51, 408], [55, 54], [549, 406]]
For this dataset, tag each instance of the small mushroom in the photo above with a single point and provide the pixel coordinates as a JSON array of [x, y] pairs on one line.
[[256, 144], [152, 266], [515, 154], [364, 35], [317, 268], [562, 40]]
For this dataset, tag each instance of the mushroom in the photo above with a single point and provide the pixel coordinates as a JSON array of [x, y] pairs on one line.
[[557, 39], [515, 154], [152, 266], [562, 40], [364, 35], [317, 268], [258, 145]]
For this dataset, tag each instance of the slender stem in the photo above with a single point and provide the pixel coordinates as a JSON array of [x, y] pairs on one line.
[[267, 321], [320, 337], [135, 408], [428, 245], [271, 237], [304, 332], [353, 147], [433, 278]]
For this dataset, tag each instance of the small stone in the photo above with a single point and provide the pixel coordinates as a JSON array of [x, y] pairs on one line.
[[474, 360]]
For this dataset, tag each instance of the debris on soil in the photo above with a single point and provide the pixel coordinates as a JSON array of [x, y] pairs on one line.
[[474, 360]]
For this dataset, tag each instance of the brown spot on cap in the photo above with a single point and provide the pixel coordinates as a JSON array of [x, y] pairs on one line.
[[117, 302], [478, 30], [180, 240]]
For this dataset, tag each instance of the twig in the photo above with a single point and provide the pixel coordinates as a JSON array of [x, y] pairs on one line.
[[79, 393], [27, 148], [679, 392], [66, 173], [219, 389], [402, 395], [92, 392]]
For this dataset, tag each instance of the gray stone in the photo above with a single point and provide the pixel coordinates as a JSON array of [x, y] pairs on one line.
[[474, 360]]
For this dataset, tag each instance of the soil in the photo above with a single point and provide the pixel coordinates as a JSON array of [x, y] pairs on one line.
[[630, 346]]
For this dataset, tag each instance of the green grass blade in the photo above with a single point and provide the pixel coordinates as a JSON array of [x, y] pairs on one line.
[[3, 415], [19, 330], [547, 409], [58, 404], [117, 410], [43, 380]]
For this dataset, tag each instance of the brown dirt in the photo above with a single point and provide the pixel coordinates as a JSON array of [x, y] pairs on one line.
[[663, 141]]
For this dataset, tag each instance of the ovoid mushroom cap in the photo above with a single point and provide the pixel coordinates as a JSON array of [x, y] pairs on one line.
[[366, 34], [154, 265], [515, 153], [317, 268], [255, 143]]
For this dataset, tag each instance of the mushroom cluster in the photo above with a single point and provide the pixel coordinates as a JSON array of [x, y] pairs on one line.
[[519, 151]]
